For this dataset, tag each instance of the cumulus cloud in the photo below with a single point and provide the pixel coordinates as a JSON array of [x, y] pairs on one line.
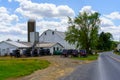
[[113, 15], [105, 22], [87, 9], [8, 25], [5, 17], [44, 25], [114, 30], [14, 32], [43, 10], [107, 25]]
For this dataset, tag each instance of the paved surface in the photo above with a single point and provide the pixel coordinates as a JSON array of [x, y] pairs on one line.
[[106, 68]]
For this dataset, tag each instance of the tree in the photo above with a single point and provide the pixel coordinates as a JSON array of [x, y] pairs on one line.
[[105, 41], [83, 30]]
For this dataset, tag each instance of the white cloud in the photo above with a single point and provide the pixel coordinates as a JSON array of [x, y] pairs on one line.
[[106, 22], [87, 9], [107, 25], [5, 17], [9, 0], [18, 31], [114, 30], [8, 25], [44, 25], [43, 10], [113, 15]]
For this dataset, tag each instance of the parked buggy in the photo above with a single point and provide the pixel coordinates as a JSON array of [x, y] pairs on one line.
[[74, 53], [35, 52], [15, 53], [64, 53], [83, 53], [44, 52], [27, 52]]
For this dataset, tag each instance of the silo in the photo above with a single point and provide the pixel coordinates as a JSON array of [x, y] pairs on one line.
[[31, 27]]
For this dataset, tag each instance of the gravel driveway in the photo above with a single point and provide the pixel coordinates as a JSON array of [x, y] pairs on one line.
[[59, 67]]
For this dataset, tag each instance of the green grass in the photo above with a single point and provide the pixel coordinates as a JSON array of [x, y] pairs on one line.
[[13, 68], [89, 57], [118, 53]]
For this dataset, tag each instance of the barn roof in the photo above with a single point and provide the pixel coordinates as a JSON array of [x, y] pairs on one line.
[[29, 44], [16, 44], [47, 44], [61, 34]]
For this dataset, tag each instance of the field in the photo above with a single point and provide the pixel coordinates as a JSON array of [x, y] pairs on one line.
[[13, 68]]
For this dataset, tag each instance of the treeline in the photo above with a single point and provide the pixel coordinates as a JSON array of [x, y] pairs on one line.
[[105, 42]]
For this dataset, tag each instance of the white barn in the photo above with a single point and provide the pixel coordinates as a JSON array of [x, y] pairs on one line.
[[55, 36]]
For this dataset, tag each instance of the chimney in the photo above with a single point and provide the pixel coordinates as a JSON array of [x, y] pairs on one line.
[[31, 27]]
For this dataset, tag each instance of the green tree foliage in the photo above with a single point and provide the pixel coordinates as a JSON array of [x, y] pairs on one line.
[[105, 41], [83, 30]]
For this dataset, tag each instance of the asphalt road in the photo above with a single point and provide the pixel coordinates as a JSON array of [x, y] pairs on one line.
[[107, 67]]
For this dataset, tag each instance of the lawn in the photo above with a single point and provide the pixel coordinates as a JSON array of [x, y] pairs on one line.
[[13, 68], [89, 57]]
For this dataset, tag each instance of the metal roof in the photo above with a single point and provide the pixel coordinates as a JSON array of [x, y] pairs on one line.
[[59, 33], [29, 44], [47, 45], [26, 43], [16, 44]]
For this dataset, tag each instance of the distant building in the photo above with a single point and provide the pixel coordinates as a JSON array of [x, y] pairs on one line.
[[55, 36]]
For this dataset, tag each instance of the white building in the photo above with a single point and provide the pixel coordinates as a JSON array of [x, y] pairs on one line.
[[118, 47], [6, 47], [55, 36], [52, 46]]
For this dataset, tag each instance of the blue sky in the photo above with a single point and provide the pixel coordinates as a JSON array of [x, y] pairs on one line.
[[52, 14]]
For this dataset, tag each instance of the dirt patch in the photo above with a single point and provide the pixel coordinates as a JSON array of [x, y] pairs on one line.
[[59, 67]]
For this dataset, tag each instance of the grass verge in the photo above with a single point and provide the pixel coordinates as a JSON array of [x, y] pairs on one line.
[[89, 57], [13, 68], [118, 53]]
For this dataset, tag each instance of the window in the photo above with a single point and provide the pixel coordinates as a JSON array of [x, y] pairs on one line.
[[53, 48], [53, 33], [45, 33], [57, 48]]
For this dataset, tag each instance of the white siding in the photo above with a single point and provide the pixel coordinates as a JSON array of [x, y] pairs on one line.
[[56, 46], [48, 36], [5, 48], [118, 47]]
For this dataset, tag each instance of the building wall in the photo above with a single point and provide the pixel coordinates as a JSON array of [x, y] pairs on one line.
[[48, 36], [6, 48], [56, 48], [118, 47]]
